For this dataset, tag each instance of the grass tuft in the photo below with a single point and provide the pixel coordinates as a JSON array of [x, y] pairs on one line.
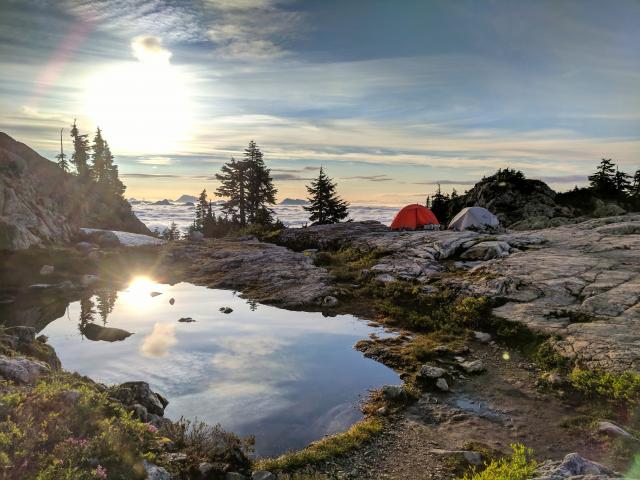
[[329, 447], [520, 465]]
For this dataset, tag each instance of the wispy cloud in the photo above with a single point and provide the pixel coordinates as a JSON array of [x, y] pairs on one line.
[[370, 178], [251, 29], [149, 49]]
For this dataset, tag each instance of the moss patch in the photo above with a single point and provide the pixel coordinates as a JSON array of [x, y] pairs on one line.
[[324, 449]]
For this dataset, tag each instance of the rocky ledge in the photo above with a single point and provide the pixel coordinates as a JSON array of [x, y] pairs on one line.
[[262, 271], [579, 282]]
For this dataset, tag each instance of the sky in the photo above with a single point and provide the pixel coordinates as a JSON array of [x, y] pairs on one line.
[[390, 97]]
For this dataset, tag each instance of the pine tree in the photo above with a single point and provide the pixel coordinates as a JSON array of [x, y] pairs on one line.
[[201, 212], [80, 156], [634, 191], [112, 179], [99, 169], [603, 181], [106, 301], [623, 185], [233, 186], [439, 205], [260, 189], [61, 157], [171, 233], [325, 205], [210, 223]]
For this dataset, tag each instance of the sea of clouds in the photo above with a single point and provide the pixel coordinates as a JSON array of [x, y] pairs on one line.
[[159, 217]]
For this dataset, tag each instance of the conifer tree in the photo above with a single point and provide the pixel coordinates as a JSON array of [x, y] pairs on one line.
[[210, 223], [233, 186], [603, 181], [112, 179], [325, 205], [201, 212], [80, 156], [171, 233], [621, 179], [634, 191], [260, 189], [61, 157], [98, 169], [439, 205]]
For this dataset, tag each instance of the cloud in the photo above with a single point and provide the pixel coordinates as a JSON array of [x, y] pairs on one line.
[[158, 342], [447, 182], [151, 175], [370, 178], [251, 29], [155, 161], [565, 178], [289, 176], [149, 49]]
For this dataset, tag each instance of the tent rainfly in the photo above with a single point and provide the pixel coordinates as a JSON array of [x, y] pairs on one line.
[[413, 217], [477, 217]]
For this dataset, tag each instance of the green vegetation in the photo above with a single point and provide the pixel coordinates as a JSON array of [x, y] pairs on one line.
[[520, 465], [347, 264], [328, 447], [325, 206], [67, 428], [623, 387]]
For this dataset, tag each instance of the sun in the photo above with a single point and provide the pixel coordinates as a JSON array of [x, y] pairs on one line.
[[142, 107]]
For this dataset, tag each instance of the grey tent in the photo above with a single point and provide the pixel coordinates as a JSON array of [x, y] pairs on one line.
[[477, 217]]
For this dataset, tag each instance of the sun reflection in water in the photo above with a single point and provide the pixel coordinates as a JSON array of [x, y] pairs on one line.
[[138, 294]]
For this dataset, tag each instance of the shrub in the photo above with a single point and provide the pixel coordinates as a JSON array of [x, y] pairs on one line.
[[65, 428], [520, 465], [623, 386]]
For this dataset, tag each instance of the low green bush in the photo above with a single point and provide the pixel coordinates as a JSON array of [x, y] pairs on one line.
[[623, 386], [520, 465]]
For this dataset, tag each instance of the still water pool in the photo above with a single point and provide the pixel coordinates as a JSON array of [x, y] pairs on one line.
[[286, 377]]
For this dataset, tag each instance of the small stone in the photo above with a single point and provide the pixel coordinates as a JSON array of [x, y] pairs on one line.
[[186, 320], [473, 366], [441, 350], [613, 430], [385, 278], [172, 301], [155, 294], [442, 384], [393, 392], [154, 472], [553, 379], [431, 372], [263, 475], [226, 310], [47, 270], [234, 476], [329, 301], [482, 337]]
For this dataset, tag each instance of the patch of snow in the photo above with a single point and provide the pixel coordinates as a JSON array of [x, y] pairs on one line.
[[128, 239]]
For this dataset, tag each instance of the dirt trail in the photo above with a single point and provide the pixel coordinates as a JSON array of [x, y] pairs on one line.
[[497, 408]]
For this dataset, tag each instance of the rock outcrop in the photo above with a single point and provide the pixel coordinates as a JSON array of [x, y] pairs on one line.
[[580, 281], [40, 204], [262, 271]]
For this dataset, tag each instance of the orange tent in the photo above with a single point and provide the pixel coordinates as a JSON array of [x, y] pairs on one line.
[[414, 216]]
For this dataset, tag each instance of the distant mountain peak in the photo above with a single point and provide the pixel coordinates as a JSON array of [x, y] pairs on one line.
[[293, 201], [186, 199]]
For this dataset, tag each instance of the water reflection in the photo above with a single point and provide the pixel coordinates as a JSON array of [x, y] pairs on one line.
[[287, 377]]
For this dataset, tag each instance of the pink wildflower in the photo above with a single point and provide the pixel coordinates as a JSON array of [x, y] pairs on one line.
[[100, 472]]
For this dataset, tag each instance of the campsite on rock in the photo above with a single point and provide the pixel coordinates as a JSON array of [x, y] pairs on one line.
[[287, 240]]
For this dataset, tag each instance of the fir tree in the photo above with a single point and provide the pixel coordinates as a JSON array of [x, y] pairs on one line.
[[99, 167], [603, 181], [113, 183], [171, 233], [634, 191], [201, 212], [61, 157], [80, 156], [325, 205], [210, 224], [233, 186], [260, 189], [623, 185], [106, 301], [439, 205]]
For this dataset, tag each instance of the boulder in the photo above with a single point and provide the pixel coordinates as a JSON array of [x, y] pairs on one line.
[[573, 466], [431, 372], [47, 270], [486, 250], [104, 238], [442, 385], [482, 337], [473, 366], [393, 392], [96, 333], [22, 370], [263, 475], [131, 393], [612, 430], [154, 472], [329, 301]]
